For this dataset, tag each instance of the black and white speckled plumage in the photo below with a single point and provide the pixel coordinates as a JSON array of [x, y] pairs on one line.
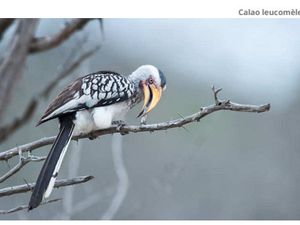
[[98, 89], [93, 102], [107, 87]]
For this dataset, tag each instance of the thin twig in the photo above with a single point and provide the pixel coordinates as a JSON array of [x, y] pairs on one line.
[[22, 207], [204, 111], [22, 162], [216, 91], [13, 63], [28, 187], [45, 43]]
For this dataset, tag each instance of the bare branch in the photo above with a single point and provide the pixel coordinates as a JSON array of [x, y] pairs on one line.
[[204, 111], [45, 43], [27, 147], [22, 162], [217, 102], [28, 187], [22, 207], [13, 63]]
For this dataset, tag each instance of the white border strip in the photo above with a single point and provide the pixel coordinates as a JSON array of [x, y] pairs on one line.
[[142, 8]]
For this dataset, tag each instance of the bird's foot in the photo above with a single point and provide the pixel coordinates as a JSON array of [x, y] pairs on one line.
[[92, 136], [143, 120], [120, 124]]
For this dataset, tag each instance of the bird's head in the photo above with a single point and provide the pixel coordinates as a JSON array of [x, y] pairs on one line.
[[152, 83]]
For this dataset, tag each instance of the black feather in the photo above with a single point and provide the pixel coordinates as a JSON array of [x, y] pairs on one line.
[[64, 135]]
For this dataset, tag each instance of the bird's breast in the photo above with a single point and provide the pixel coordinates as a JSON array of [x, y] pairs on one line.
[[83, 122], [99, 117], [103, 116]]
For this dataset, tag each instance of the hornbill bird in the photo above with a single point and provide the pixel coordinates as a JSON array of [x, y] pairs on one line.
[[90, 103]]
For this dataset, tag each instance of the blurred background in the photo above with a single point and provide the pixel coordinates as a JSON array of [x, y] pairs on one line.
[[231, 165]]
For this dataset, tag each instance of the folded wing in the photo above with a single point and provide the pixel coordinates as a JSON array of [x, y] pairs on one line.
[[94, 90]]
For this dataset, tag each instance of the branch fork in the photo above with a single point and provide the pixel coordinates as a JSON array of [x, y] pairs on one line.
[[126, 129], [123, 129], [22, 162]]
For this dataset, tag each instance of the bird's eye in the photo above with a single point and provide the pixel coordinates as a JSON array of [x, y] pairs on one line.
[[150, 81]]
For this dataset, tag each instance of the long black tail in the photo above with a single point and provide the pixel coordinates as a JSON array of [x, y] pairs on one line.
[[48, 174]]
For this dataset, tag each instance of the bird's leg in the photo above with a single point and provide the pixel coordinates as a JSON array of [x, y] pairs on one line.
[[144, 120], [120, 124], [92, 136]]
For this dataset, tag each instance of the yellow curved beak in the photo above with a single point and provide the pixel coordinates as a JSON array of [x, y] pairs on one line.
[[152, 95]]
